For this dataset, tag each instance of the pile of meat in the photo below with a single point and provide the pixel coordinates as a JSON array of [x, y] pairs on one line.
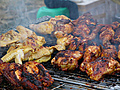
[[83, 40], [30, 76], [95, 45]]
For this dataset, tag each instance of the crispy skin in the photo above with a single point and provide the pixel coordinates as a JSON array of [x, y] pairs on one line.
[[101, 66], [91, 53], [35, 76], [67, 60]]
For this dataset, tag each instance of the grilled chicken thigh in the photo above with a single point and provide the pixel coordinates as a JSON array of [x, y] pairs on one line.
[[31, 75], [91, 53], [67, 60], [102, 66]]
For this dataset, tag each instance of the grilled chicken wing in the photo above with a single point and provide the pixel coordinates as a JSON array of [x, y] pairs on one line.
[[67, 60], [101, 66]]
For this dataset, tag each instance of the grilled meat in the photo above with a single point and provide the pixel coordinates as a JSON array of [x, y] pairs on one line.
[[85, 27], [12, 73], [9, 38], [91, 53], [43, 28], [67, 60], [59, 24], [101, 66], [62, 27], [63, 42], [107, 35], [35, 76], [74, 43], [31, 75]]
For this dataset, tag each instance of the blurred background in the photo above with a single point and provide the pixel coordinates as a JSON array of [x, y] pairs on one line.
[[23, 12]]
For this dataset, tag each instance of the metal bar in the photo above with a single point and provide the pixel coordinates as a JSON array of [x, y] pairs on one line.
[[58, 86], [86, 84]]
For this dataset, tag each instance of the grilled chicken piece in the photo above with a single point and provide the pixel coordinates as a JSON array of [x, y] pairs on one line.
[[12, 73], [85, 27], [41, 54], [35, 76], [101, 66], [59, 17], [47, 27], [91, 53], [31, 75], [63, 42], [17, 54], [24, 32], [62, 27], [74, 43], [9, 38], [107, 35], [67, 60], [43, 28]]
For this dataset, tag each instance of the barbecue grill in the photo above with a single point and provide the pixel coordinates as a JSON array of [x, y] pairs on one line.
[[75, 80]]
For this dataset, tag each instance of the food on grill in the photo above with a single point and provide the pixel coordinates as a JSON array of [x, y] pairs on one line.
[[25, 53], [9, 38], [35, 76], [31, 75], [67, 60], [63, 42], [83, 43], [101, 66], [84, 25], [43, 28], [60, 25], [109, 33], [75, 43], [17, 54], [28, 47], [91, 53]]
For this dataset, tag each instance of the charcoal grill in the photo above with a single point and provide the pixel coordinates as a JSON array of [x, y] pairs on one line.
[[75, 80]]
